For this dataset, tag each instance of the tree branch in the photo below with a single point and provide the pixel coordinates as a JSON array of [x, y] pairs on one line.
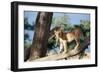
[[71, 53]]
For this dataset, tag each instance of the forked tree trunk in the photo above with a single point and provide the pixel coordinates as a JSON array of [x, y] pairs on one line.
[[42, 28]]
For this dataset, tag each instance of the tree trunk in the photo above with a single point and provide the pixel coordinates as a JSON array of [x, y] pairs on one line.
[[40, 40]]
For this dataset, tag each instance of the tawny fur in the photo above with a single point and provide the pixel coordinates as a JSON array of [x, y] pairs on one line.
[[64, 37]]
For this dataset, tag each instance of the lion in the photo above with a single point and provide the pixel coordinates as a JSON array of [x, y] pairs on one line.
[[66, 37]]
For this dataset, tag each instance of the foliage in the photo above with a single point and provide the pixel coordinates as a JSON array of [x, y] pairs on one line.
[[27, 45], [63, 21], [85, 24], [27, 27], [60, 20]]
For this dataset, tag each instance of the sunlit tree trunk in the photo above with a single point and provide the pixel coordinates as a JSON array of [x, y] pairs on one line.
[[42, 29]]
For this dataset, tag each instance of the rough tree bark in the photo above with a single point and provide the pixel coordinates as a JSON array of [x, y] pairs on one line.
[[27, 51], [42, 28]]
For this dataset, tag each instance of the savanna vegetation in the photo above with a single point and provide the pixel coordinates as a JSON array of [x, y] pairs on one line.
[[43, 46]]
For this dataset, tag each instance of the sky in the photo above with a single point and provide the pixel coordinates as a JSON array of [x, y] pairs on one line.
[[74, 17], [31, 16]]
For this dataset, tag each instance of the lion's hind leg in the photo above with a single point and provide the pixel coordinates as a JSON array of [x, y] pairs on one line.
[[77, 44]]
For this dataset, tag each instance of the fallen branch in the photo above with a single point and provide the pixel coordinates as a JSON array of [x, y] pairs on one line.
[[71, 53]]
